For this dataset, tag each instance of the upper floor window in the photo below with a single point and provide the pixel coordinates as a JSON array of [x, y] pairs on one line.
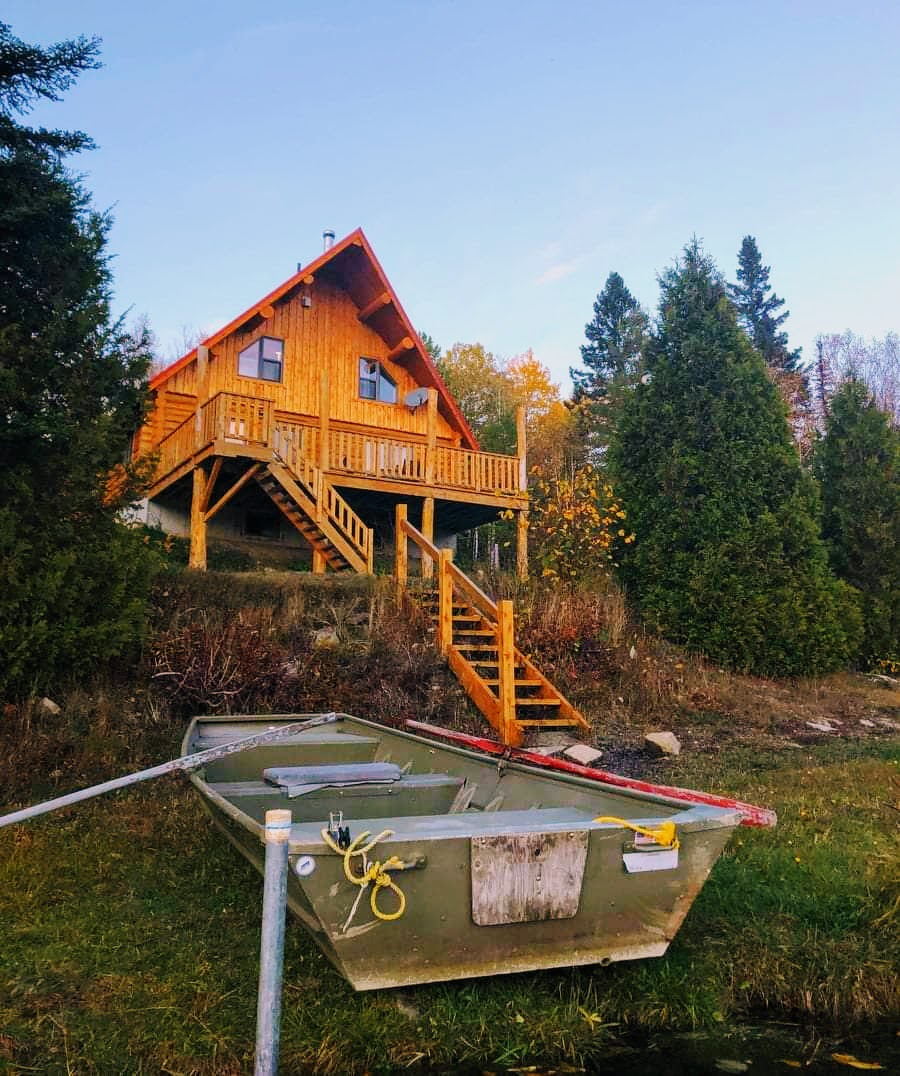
[[262, 358], [375, 383]]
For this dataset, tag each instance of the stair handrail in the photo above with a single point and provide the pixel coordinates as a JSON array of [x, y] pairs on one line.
[[339, 512], [329, 503], [485, 605], [500, 709]]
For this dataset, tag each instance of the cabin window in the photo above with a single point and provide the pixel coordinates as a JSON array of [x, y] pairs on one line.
[[374, 383], [262, 359]]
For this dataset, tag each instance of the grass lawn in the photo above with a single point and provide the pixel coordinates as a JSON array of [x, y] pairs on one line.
[[130, 933]]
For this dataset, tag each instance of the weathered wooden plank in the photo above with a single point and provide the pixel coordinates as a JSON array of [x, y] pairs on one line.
[[526, 878]]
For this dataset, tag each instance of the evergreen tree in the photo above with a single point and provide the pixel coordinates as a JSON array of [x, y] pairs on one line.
[[72, 387], [857, 463], [615, 335], [431, 346], [728, 556], [757, 309], [615, 338]]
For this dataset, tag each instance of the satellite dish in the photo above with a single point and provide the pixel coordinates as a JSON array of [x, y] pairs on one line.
[[416, 398]]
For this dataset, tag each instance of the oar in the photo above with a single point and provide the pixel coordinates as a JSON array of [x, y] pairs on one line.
[[184, 764]]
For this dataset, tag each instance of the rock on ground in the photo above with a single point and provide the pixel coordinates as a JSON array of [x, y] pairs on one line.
[[663, 743]]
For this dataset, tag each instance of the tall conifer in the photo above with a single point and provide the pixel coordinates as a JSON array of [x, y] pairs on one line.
[[757, 308], [857, 463], [728, 557], [72, 387]]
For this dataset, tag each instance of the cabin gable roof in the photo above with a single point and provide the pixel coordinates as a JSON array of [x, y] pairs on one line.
[[353, 265]]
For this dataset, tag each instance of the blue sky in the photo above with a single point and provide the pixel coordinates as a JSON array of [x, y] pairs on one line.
[[502, 157]]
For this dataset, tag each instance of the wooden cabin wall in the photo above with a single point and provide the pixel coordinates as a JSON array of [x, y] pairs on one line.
[[327, 333]]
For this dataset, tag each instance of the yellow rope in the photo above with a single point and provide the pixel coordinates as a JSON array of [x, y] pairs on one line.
[[664, 834], [375, 874]]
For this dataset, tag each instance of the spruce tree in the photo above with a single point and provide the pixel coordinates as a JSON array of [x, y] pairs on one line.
[[612, 355], [728, 557], [72, 388], [757, 305], [857, 463]]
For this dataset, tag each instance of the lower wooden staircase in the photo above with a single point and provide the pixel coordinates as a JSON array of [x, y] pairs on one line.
[[477, 636]]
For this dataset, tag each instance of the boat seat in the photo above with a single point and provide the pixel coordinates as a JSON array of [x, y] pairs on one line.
[[413, 793], [298, 780]]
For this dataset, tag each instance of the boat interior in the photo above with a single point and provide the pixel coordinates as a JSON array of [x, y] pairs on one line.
[[365, 773]]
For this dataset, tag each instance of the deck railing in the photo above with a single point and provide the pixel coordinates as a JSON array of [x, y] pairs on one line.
[[246, 420]]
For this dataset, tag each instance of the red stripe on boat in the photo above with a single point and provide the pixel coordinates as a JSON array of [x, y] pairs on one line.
[[750, 814]]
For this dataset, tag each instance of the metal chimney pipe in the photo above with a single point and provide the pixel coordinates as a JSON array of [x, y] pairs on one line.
[[328, 239]]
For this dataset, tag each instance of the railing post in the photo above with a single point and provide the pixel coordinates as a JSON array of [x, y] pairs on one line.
[[269, 425], [445, 601], [401, 565], [506, 656], [202, 393], [521, 448], [221, 408], [428, 531], [370, 550], [324, 423], [271, 950], [431, 443]]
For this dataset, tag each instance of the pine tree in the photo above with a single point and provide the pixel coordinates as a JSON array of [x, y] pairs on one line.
[[612, 356], [757, 309], [728, 556], [431, 346], [72, 387], [615, 335], [857, 463]]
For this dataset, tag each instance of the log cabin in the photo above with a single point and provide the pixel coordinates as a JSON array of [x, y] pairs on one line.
[[317, 417], [311, 416]]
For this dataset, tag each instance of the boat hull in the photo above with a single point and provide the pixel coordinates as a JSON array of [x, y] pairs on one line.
[[532, 882]]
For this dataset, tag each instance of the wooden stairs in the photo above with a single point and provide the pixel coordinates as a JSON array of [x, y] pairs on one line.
[[320, 514], [477, 636]]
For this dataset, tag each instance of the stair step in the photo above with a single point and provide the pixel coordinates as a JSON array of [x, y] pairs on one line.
[[481, 633], [538, 702], [549, 722], [519, 683], [479, 648]]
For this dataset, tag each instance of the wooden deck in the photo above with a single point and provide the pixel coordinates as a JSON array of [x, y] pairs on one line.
[[233, 425]]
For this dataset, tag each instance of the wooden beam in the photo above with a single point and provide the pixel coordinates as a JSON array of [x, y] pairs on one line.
[[197, 556], [405, 345], [522, 544], [242, 481], [318, 562], [428, 531], [324, 421], [211, 483], [267, 311], [308, 279], [202, 391], [445, 602], [378, 303], [401, 549], [506, 650], [431, 423], [521, 447]]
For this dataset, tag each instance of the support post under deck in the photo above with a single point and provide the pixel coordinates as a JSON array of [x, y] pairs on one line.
[[197, 556]]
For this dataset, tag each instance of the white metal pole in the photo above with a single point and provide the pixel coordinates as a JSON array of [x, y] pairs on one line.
[[271, 950]]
